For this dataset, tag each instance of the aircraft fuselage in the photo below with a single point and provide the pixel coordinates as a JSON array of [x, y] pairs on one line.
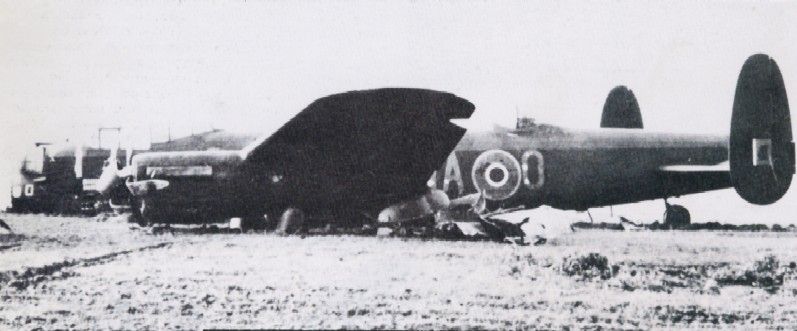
[[570, 169], [565, 169]]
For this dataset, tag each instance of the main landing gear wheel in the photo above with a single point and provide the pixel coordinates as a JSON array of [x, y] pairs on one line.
[[676, 216], [292, 221]]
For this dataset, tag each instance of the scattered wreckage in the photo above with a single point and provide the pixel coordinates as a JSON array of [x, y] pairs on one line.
[[466, 218]]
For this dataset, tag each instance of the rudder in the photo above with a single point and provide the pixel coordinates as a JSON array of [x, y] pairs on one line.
[[761, 151]]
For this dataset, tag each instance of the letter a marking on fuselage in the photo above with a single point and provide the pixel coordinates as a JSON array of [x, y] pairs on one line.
[[453, 174]]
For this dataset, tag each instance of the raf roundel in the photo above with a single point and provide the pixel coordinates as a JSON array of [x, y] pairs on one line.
[[496, 174]]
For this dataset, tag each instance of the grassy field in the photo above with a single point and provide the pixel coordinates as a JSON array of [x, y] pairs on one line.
[[77, 273]]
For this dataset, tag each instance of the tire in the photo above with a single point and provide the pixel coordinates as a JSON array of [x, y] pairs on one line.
[[676, 217], [292, 221]]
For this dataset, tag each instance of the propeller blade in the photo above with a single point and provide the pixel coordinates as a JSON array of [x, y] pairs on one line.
[[110, 177], [113, 158]]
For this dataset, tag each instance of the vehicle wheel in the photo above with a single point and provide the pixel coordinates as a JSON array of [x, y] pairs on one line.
[[292, 221], [676, 217]]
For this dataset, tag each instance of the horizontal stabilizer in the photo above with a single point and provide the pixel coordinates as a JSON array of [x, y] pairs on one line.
[[695, 178], [687, 168]]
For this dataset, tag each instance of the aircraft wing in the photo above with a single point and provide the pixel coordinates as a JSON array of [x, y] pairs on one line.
[[361, 147]]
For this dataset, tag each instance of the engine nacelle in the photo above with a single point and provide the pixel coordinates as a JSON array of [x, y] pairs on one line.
[[761, 151]]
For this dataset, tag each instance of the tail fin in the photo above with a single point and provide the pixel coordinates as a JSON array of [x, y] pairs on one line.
[[621, 110], [761, 152]]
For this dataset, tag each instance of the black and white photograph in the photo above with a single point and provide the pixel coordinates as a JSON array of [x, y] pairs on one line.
[[397, 165]]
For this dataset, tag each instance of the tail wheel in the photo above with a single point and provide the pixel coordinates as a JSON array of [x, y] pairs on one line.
[[676, 216], [292, 221]]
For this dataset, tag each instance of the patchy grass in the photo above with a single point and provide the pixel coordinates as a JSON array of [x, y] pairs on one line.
[[590, 266], [766, 273], [589, 279]]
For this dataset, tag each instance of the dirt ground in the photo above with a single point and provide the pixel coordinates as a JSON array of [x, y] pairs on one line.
[[59, 272]]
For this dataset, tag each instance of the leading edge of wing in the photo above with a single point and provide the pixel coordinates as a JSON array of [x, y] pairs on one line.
[[443, 105]]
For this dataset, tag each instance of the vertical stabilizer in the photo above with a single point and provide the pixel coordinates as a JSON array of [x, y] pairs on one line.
[[621, 110]]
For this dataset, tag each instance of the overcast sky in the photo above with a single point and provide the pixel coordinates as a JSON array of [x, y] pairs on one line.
[[68, 68]]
